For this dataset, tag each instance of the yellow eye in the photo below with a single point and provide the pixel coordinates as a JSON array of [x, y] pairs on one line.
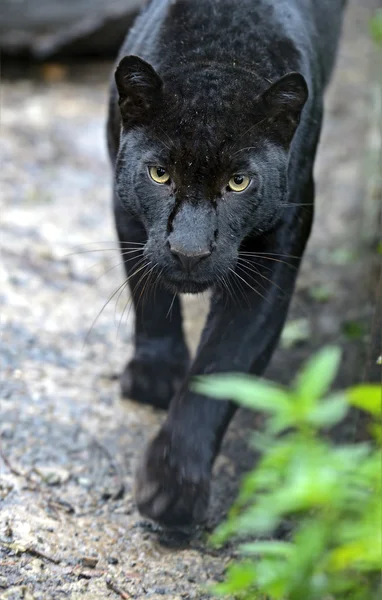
[[239, 183], [159, 174]]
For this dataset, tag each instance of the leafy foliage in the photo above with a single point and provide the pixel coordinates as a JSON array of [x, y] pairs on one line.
[[331, 493], [376, 26]]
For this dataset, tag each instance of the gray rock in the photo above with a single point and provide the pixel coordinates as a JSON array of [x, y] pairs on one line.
[[49, 27]]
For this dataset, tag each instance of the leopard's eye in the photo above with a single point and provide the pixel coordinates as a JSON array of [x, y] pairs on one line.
[[159, 174], [239, 183]]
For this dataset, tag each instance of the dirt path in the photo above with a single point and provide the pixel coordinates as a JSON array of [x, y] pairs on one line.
[[69, 443]]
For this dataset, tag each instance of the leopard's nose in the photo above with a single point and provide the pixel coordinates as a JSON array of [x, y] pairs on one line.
[[189, 260]]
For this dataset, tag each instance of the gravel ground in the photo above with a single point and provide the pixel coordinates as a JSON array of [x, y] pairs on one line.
[[69, 444]]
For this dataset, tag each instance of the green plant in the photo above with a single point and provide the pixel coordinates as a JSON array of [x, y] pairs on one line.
[[376, 26], [331, 493]]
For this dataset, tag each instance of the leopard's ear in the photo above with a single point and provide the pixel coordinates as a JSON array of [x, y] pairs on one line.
[[139, 88], [283, 102]]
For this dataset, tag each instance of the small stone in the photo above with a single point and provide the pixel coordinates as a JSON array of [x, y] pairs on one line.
[[53, 72], [7, 431], [53, 475], [19, 592], [85, 482], [8, 532], [3, 582], [112, 560], [89, 561]]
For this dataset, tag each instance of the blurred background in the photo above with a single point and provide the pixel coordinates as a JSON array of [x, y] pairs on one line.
[[68, 443], [45, 28]]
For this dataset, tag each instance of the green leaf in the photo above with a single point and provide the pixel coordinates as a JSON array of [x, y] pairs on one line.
[[272, 578], [248, 391], [329, 412], [273, 548], [342, 256], [376, 432], [376, 27], [367, 397], [353, 330], [329, 493], [322, 293], [358, 552], [318, 374], [239, 578]]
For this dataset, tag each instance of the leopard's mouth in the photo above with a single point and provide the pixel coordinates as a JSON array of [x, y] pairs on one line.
[[186, 286]]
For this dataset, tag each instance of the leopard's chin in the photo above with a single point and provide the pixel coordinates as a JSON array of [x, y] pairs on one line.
[[186, 286]]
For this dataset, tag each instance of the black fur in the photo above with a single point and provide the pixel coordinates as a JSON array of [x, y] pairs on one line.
[[208, 89]]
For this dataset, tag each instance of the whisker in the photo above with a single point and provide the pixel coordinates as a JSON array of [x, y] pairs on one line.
[[147, 274], [148, 287], [246, 282], [226, 288], [243, 149], [296, 299], [258, 272], [103, 250], [130, 300], [264, 257], [171, 305], [139, 263], [252, 263], [114, 243], [111, 268], [117, 242], [223, 283], [127, 252], [157, 281], [268, 254], [255, 271], [115, 266], [232, 292], [243, 293], [297, 204], [231, 289], [108, 301], [128, 303]]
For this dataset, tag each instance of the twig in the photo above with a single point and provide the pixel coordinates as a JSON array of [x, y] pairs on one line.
[[115, 588], [8, 464], [57, 503], [88, 573], [29, 550], [52, 501], [27, 476], [35, 552]]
